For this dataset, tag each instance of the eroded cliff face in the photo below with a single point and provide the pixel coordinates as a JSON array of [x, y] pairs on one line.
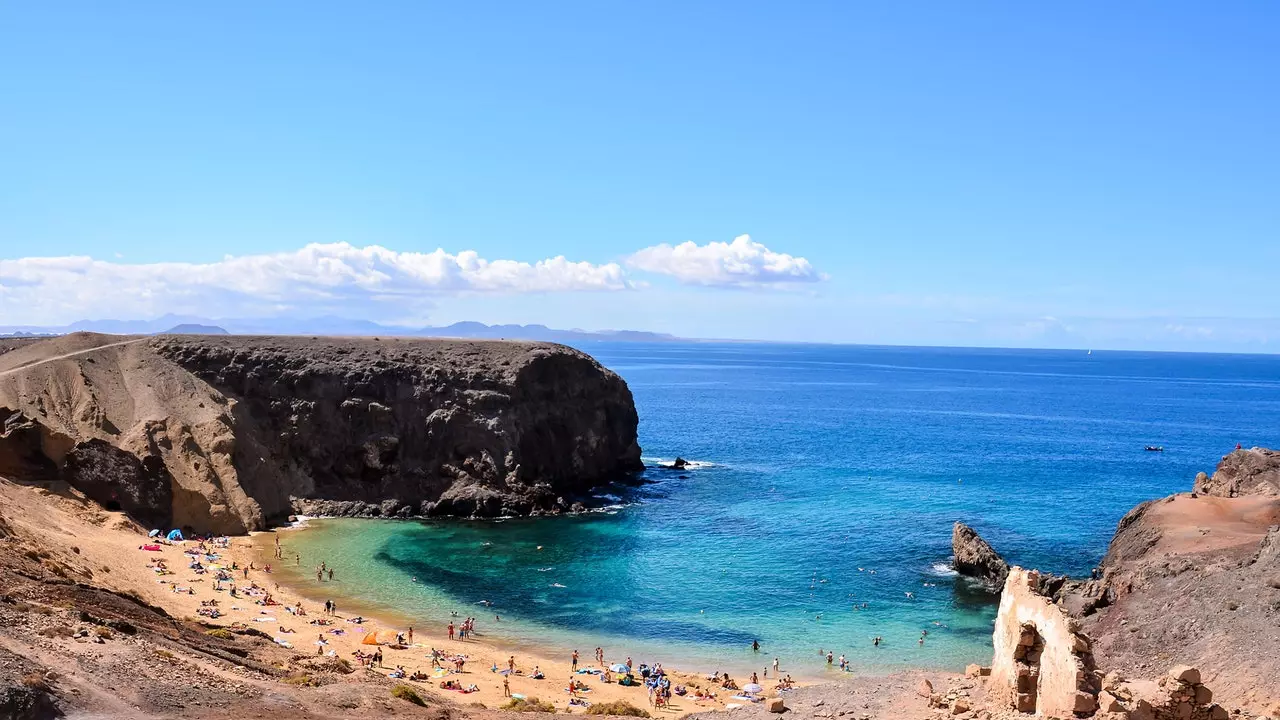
[[1255, 471], [227, 434]]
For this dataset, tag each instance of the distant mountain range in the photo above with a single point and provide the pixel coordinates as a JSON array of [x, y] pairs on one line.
[[331, 326]]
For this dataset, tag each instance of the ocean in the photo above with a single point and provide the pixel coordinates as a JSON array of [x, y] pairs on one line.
[[825, 483]]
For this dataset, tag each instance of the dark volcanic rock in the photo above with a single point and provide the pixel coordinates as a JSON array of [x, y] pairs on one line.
[[1243, 472], [975, 558], [417, 427], [228, 434]]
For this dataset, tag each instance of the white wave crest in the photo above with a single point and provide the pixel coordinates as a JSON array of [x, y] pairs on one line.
[[689, 464]]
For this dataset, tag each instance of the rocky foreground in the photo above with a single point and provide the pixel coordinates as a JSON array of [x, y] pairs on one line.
[[1182, 619], [231, 434]]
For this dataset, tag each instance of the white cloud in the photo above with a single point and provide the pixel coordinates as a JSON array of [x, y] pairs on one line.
[[373, 281], [742, 262]]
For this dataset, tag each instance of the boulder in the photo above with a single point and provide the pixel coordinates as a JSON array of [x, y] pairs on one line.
[[975, 558], [775, 705], [1109, 703], [925, 688], [1185, 674]]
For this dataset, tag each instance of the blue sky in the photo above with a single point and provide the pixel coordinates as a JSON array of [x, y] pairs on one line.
[[1086, 174]]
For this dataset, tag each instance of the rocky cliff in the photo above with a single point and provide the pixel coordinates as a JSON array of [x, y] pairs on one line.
[[1194, 578], [1255, 471], [227, 434]]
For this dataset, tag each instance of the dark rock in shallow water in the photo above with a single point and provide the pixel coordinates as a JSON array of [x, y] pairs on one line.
[[679, 464], [975, 558]]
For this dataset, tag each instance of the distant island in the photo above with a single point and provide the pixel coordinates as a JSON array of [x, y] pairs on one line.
[[331, 326]]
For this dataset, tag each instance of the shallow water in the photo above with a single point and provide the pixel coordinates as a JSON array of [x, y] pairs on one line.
[[828, 477]]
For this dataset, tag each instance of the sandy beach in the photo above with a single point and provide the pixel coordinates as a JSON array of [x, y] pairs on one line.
[[114, 548], [484, 659]]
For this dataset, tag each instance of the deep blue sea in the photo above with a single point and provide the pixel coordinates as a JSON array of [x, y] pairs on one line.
[[827, 478]]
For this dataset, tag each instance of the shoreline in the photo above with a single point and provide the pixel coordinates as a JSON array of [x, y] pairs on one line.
[[297, 582]]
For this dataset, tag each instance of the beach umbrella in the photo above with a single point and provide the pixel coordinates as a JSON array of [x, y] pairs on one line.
[[752, 688], [619, 667], [380, 637], [153, 533]]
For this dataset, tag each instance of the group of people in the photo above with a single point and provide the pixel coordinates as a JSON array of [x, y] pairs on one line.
[[463, 630]]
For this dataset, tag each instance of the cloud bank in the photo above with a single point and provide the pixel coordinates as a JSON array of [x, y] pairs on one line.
[[315, 278], [741, 263]]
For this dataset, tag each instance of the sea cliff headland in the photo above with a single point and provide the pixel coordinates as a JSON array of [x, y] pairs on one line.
[[227, 434]]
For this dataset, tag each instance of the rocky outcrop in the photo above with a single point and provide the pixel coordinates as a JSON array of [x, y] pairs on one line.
[[975, 558], [1255, 471], [1193, 579], [228, 434]]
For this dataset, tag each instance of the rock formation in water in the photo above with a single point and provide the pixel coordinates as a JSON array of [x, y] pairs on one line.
[[228, 434], [975, 558], [1255, 471]]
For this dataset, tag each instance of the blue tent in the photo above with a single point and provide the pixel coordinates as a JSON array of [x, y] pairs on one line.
[[175, 535]]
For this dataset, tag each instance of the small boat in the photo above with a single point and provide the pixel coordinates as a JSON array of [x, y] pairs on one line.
[[1154, 448]]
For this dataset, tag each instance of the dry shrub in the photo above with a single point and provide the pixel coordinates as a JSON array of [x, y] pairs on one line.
[[617, 707], [530, 704], [220, 634], [408, 694], [35, 681]]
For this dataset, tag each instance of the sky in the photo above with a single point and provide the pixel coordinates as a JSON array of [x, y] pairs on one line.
[[1080, 174]]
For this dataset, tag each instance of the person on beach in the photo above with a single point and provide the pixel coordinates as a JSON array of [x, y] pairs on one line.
[[410, 634], [450, 631], [830, 658], [331, 574], [775, 667], [506, 686], [511, 664], [574, 666], [755, 646]]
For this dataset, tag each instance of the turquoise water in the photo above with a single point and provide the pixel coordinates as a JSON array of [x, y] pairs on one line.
[[817, 466]]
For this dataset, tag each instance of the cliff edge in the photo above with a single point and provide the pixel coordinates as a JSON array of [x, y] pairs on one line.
[[1255, 471], [1194, 578], [227, 434]]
